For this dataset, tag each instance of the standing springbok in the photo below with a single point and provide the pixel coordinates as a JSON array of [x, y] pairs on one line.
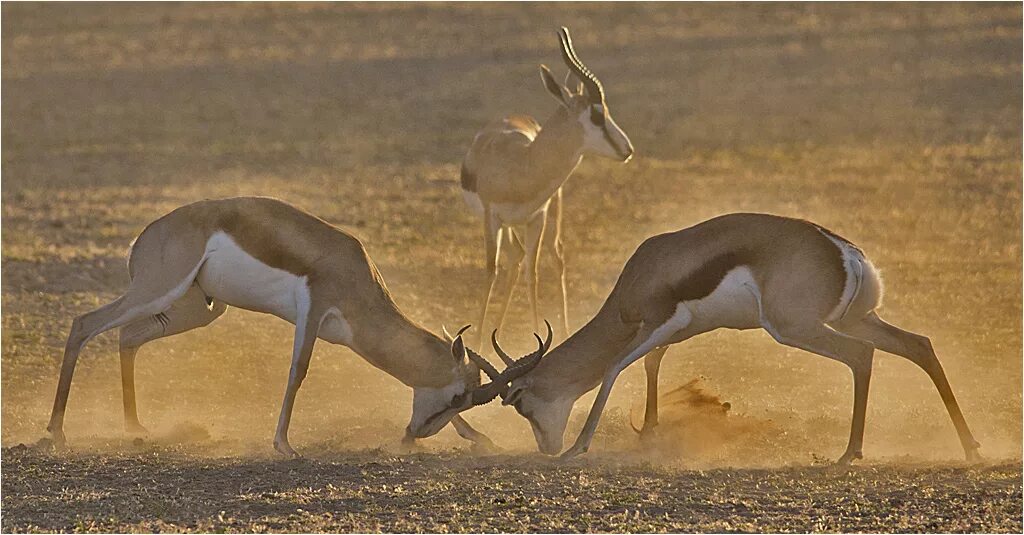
[[806, 286], [512, 176], [263, 255]]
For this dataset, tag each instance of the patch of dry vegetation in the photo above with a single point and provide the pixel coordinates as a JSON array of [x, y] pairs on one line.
[[167, 491]]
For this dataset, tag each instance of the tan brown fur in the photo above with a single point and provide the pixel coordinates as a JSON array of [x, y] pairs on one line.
[[513, 174], [165, 297], [799, 280]]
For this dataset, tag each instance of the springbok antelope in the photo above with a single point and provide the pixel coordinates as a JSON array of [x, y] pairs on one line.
[[263, 255], [806, 286], [512, 177]]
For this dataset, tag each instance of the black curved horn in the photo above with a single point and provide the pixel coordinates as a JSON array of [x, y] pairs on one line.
[[483, 364], [509, 361], [516, 369]]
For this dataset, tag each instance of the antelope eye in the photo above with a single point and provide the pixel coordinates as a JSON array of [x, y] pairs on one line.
[[597, 116]]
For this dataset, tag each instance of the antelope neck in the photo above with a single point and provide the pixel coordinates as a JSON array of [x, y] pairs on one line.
[[407, 351], [557, 149], [578, 364]]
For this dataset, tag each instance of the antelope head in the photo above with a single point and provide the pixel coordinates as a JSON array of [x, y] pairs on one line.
[[547, 417], [586, 104], [440, 405]]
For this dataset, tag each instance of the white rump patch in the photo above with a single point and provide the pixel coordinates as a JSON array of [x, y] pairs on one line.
[[854, 265]]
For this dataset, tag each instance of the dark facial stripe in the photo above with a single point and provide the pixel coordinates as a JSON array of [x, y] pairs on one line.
[[608, 138], [468, 180], [701, 283], [456, 400]]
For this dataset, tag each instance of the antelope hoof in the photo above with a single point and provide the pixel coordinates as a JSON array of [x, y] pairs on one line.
[[55, 442], [136, 429], [848, 458], [484, 445], [285, 449], [573, 452], [409, 445], [47, 444], [972, 454], [647, 433]]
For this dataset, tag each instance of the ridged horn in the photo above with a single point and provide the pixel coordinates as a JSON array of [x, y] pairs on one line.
[[483, 364], [499, 385], [595, 91]]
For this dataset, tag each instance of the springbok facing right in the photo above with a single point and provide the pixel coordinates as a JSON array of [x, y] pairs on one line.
[[512, 177], [806, 286], [263, 255]]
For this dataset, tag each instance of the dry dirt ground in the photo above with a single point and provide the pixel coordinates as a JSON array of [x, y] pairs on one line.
[[897, 126]]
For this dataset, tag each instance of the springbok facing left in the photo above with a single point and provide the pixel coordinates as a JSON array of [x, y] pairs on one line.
[[807, 287], [264, 255]]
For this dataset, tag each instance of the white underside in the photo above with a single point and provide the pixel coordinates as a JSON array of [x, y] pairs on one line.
[[732, 305], [507, 213], [231, 275], [735, 302]]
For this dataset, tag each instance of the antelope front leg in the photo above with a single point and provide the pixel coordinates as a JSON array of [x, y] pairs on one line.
[[467, 432], [305, 336], [582, 443], [648, 341]]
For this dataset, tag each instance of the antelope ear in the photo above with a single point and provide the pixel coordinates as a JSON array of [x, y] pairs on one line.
[[459, 350], [571, 77], [556, 89]]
